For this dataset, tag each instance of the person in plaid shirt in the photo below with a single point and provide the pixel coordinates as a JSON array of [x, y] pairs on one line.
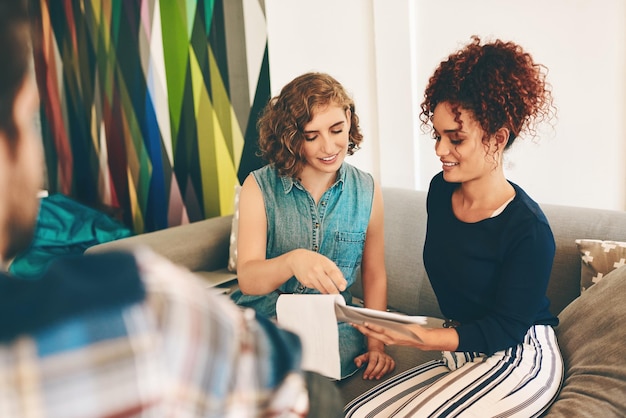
[[122, 334]]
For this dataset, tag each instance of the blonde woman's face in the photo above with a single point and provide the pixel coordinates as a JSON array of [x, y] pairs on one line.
[[326, 139]]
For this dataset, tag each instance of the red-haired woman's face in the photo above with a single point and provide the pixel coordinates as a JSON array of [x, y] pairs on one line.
[[460, 146]]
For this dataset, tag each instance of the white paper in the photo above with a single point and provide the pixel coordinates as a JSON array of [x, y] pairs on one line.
[[313, 319], [390, 320]]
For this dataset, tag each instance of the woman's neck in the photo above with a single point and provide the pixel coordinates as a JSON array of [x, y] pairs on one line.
[[317, 184], [474, 201]]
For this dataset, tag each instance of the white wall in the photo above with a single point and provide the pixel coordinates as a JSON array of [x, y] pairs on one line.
[[583, 43], [334, 37], [383, 51]]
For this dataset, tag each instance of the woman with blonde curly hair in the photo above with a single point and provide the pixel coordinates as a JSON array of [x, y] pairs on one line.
[[488, 251], [308, 220]]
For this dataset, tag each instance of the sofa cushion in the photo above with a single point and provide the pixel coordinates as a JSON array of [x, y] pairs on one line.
[[232, 250], [599, 258], [591, 336]]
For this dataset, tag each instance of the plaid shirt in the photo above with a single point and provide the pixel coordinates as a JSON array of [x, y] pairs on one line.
[[177, 350]]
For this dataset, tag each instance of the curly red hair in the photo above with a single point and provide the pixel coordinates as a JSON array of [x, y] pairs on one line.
[[280, 126], [498, 82]]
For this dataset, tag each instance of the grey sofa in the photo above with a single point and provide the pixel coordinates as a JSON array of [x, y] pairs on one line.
[[593, 385]]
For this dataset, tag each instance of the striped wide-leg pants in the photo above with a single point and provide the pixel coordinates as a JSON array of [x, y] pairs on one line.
[[521, 381]]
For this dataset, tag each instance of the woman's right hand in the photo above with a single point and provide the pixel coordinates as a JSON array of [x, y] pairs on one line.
[[439, 339], [316, 271]]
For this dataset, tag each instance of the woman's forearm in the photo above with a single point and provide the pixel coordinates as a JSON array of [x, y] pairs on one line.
[[259, 277]]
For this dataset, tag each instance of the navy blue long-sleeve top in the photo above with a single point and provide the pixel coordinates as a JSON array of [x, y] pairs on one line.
[[491, 275]]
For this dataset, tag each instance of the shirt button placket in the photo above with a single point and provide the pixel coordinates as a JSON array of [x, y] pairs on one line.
[[316, 224], [316, 229]]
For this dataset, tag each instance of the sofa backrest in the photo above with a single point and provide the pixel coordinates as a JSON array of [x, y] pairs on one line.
[[568, 224], [199, 246], [409, 289]]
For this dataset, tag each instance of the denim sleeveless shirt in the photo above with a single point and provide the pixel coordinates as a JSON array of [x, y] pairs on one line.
[[335, 227]]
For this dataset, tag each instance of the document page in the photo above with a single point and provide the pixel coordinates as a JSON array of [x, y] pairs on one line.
[[312, 317], [390, 320]]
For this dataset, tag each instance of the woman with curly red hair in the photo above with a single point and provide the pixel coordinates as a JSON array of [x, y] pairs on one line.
[[308, 221], [488, 251]]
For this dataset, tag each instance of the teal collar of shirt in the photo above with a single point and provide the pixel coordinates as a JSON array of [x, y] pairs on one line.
[[72, 286], [289, 182]]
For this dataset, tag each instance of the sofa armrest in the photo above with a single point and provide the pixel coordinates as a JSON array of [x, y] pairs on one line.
[[199, 246]]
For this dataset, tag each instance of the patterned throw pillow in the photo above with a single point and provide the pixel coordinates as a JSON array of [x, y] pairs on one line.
[[599, 258], [232, 253]]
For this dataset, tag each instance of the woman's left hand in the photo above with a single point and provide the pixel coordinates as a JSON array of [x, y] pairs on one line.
[[378, 362]]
